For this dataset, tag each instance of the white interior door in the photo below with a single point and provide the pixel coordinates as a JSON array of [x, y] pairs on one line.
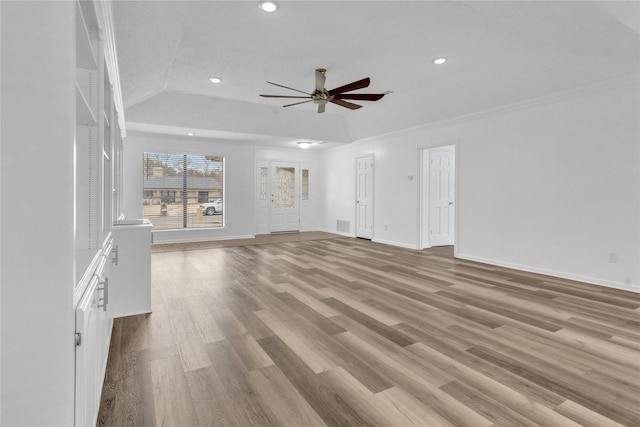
[[441, 196], [285, 194], [364, 197]]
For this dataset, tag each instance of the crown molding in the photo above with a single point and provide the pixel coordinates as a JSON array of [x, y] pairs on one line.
[[626, 81]]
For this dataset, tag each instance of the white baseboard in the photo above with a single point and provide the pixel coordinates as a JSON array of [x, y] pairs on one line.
[[392, 243], [162, 238], [559, 274]]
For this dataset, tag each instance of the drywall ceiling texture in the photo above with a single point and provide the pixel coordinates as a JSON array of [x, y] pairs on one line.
[[500, 53]]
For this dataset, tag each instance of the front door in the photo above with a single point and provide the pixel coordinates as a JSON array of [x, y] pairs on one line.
[[441, 197], [285, 190], [364, 197]]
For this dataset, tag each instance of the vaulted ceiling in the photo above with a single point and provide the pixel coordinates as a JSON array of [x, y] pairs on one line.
[[499, 53]]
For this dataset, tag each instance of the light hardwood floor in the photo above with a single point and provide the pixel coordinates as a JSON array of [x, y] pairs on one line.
[[346, 332]]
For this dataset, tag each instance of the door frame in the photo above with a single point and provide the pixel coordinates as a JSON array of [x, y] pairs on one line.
[[262, 206], [424, 215]]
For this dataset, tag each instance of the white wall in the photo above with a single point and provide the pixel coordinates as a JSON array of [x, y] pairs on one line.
[[37, 115], [339, 193], [570, 184], [299, 155], [240, 172], [552, 186]]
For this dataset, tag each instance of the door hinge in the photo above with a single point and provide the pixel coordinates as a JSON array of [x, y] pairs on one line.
[[78, 339]]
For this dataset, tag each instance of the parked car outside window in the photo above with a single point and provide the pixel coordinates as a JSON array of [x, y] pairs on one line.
[[212, 208]]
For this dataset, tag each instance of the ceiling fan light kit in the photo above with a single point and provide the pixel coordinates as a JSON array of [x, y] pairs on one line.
[[321, 96]]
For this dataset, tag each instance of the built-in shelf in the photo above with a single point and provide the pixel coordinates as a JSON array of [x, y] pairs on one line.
[[84, 113], [85, 55], [96, 141], [84, 259], [108, 92]]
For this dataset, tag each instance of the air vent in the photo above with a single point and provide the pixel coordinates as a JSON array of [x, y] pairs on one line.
[[343, 226]]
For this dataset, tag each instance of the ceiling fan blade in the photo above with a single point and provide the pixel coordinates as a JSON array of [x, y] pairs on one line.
[[351, 86], [297, 103], [320, 79], [287, 87], [360, 96], [283, 96], [349, 105], [321, 108]]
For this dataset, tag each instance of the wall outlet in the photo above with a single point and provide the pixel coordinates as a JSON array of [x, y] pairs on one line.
[[386, 228], [613, 257]]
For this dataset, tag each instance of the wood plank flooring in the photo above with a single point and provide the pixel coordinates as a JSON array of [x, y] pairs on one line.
[[346, 332]]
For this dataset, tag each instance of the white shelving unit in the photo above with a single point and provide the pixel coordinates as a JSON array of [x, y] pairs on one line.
[[61, 148], [96, 135]]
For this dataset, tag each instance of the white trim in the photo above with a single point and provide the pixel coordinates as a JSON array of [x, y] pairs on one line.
[[104, 15], [186, 239], [553, 273], [83, 282], [392, 243]]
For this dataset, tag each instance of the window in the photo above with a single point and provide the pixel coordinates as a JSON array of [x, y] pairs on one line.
[[305, 184], [168, 197], [264, 176], [285, 196], [183, 191]]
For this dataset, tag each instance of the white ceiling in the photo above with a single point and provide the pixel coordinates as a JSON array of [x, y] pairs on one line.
[[500, 53]]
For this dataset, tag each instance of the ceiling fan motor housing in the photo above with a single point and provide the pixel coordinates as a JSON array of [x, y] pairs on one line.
[[321, 97]]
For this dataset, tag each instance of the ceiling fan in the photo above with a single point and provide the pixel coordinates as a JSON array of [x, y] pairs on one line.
[[322, 96]]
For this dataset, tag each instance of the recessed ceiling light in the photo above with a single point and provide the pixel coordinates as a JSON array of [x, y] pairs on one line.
[[215, 79], [268, 6], [191, 134], [304, 144], [439, 61]]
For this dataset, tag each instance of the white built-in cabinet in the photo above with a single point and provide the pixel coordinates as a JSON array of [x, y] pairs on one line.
[[61, 163], [97, 143]]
